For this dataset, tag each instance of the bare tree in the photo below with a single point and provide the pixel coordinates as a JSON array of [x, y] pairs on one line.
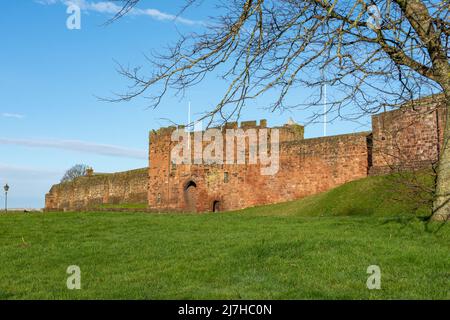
[[376, 55], [79, 170]]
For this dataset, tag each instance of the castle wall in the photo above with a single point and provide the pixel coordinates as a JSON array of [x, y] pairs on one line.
[[93, 191], [409, 137], [306, 167]]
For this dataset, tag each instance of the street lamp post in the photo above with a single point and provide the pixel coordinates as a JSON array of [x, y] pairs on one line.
[[6, 188]]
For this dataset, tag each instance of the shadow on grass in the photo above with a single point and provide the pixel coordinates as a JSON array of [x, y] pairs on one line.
[[5, 295], [429, 226]]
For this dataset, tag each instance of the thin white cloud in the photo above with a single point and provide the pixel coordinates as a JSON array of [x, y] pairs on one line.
[[158, 15], [80, 146], [13, 115], [13, 172], [108, 7]]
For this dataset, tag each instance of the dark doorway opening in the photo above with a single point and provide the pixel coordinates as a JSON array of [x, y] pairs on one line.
[[190, 184], [190, 196], [216, 206]]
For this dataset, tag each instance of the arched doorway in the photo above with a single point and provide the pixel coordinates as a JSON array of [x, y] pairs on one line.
[[190, 196], [216, 206]]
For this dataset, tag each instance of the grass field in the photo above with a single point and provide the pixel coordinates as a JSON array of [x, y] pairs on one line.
[[315, 248]]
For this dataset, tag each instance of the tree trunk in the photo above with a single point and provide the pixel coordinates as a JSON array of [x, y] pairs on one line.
[[441, 205]]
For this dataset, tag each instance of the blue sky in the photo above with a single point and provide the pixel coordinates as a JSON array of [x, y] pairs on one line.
[[50, 76]]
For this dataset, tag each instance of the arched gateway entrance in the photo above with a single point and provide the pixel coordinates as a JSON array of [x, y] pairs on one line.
[[216, 206], [190, 196]]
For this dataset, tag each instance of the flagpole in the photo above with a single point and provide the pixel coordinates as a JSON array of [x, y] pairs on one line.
[[189, 123], [325, 110], [324, 101]]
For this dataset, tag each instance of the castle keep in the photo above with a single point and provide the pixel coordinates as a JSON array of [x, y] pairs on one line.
[[407, 138]]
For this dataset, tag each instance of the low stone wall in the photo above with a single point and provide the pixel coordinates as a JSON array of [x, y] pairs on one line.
[[99, 189]]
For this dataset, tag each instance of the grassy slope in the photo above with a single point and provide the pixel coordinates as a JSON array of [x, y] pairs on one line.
[[125, 206], [296, 250], [385, 196]]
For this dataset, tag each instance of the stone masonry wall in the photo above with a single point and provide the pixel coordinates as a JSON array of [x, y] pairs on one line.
[[410, 137], [407, 138], [306, 167], [93, 191]]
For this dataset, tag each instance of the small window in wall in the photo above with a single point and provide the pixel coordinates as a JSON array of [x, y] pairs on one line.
[[226, 177], [174, 165], [158, 198]]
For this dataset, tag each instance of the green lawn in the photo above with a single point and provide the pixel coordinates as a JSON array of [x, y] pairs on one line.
[[130, 206], [316, 248]]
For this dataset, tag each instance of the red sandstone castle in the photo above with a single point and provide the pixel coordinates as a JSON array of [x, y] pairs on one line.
[[409, 137]]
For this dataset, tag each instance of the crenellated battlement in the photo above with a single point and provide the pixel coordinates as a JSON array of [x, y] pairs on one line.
[[249, 124]]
